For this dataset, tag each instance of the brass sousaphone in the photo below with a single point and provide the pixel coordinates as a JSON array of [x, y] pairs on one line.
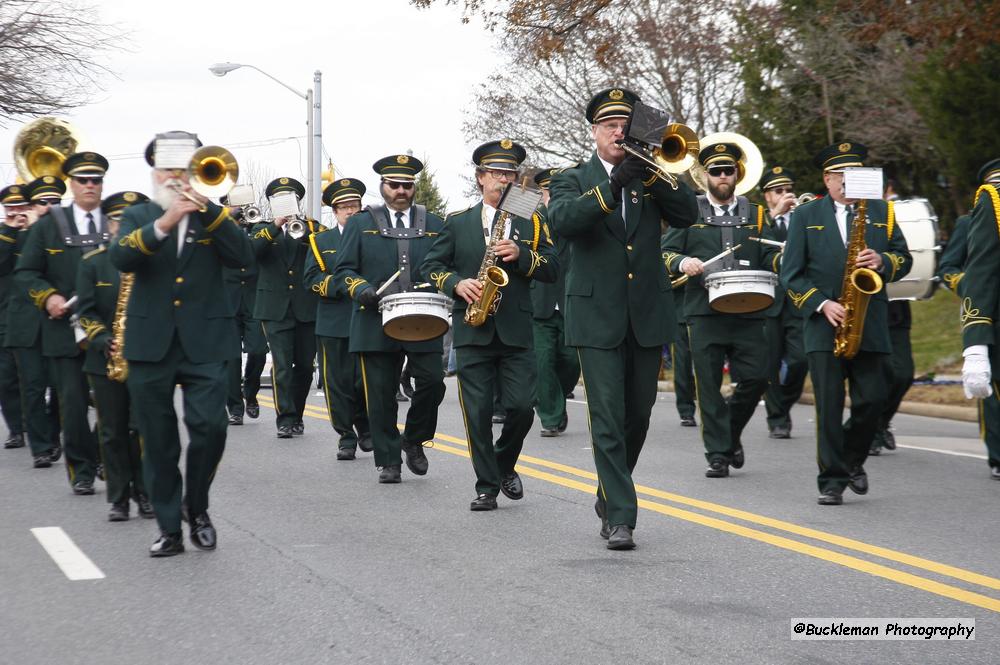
[[749, 168], [42, 145]]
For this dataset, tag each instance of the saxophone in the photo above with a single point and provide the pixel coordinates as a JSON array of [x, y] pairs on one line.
[[117, 365], [860, 284], [491, 277]]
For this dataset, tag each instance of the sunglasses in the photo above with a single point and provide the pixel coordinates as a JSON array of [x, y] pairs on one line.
[[782, 190], [722, 170], [84, 180], [47, 202], [398, 185]]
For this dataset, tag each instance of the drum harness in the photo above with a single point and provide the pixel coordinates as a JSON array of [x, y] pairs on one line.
[[726, 224], [418, 225]]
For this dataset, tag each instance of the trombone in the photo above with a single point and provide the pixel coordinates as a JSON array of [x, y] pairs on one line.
[[212, 172], [666, 147]]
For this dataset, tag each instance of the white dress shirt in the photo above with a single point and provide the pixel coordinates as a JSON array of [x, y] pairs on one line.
[[392, 217], [181, 233], [489, 214], [80, 219]]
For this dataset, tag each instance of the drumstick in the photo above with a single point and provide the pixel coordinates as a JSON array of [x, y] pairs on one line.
[[388, 282], [765, 241], [721, 255]]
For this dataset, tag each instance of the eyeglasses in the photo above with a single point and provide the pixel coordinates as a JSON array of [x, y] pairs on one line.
[[84, 180], [347, 207], [717, 171], [398, 185], [612, 127], [782, 190], [500, 174]]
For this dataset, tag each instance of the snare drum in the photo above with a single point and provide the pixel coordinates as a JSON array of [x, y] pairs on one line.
[[415, 317], [741, 291], [917, 221]]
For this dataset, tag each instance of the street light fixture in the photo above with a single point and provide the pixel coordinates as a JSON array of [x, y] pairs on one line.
[[313, 129]]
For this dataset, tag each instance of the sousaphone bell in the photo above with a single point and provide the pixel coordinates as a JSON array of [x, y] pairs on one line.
[[749, 168], [42, 145]]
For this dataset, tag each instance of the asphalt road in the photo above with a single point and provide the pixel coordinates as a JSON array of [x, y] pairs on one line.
[[317, 563]]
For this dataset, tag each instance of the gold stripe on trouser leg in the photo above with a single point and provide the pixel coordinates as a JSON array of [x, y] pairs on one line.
[[326, 388], [697, 392], [590, 429], [364, 384], [465, 421]]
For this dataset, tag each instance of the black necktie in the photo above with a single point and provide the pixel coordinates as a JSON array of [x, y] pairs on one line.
[[726, 211], [781, 223], [91, 226], [399, 220]]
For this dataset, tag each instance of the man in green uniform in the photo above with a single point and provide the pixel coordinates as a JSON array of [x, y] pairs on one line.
[[980, 294], [812, 270], [98, 286], [286, 310], [47, 271], [378, 242], [558, 366], [726, 221], [24, 323], [181, 330], [788, 364], [244, 383], [619, 308], [499, 351], [680, 356], [16, 207], [340, 369]]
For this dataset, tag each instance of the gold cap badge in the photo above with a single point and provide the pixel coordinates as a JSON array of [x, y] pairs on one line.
[[844, 147], [506, 144], [720, 147], [616, 94], [776, 170], [48, 180], [402, 159], [15, 190], [283, 181], [130, 197], [345, 182], [88, 155]]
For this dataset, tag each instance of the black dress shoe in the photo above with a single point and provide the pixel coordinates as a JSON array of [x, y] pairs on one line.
[[888, 439], [859, 481], [830, 498], [99, 472], [548, 432], [298, 428], [416, 461], [510, 485], [688, 421], [42, 462], [390, 474], [55, 452], [995, 472], [14, 441], [400, 397], [570, 395], [253, 409], [365, 442], [168, 544], [563, 424], [738, 458], [621, 538], [717, 469], [780, 432], [284, 431], [118, 512], [874, 451], [346, 454], [601, 511], [145, 507], [202, 532], [83, 487], [498, 418], [235, 419], [483, 502]]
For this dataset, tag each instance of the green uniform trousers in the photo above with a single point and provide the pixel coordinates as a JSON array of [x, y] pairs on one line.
[[621, 390], [743, 342], [293, 354], [151, 388], [989, 427], [41, 420], [480, 369], [380, 374], [901, 370], [558, 369], [79, 442], [118, 440], [680, 356], [243, 384], [344, 390], [10, 393], [844, 447], [784, 340]]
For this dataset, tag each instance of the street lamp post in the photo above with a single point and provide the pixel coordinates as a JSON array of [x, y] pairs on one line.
[[314, 132]]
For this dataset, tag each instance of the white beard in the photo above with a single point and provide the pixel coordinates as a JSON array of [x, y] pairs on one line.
[[163, 195]]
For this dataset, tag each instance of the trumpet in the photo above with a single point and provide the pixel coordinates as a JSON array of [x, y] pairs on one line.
[[804, 198], [666, 147], [212, 172], [297, 228], [251, 214]]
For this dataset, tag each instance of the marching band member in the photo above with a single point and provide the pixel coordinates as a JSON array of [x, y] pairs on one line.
[[286, 310], [340, 369], [378, 242], [97, 285], [980, 295], [726, 220], [784, 325], [47, 271], [500, 350], [813, 272], [16, 207], [180, 330], [619, 309]]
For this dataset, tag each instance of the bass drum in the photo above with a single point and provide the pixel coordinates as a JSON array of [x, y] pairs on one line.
[[919, 224], [415, 317]]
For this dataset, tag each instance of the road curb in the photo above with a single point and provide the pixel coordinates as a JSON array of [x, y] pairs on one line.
[[947, 411]]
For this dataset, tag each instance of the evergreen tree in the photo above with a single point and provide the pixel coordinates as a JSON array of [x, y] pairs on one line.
[[428, 194]]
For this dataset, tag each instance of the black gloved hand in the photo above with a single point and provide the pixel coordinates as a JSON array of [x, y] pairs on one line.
[[625, 172], [369, 299]]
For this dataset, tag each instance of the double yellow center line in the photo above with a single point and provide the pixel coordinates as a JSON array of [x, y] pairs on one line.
[[667, 503]]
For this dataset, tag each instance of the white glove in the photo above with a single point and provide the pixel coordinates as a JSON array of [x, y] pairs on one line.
[[976, 375]]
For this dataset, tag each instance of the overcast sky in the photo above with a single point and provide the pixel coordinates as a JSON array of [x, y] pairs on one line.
[[394, 79]]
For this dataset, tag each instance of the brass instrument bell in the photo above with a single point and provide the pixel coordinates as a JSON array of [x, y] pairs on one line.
[[749, 168], [42, 145]]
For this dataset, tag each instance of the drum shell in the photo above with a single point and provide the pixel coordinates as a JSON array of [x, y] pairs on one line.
[[741, 291], [415, 317], [919, 225]]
